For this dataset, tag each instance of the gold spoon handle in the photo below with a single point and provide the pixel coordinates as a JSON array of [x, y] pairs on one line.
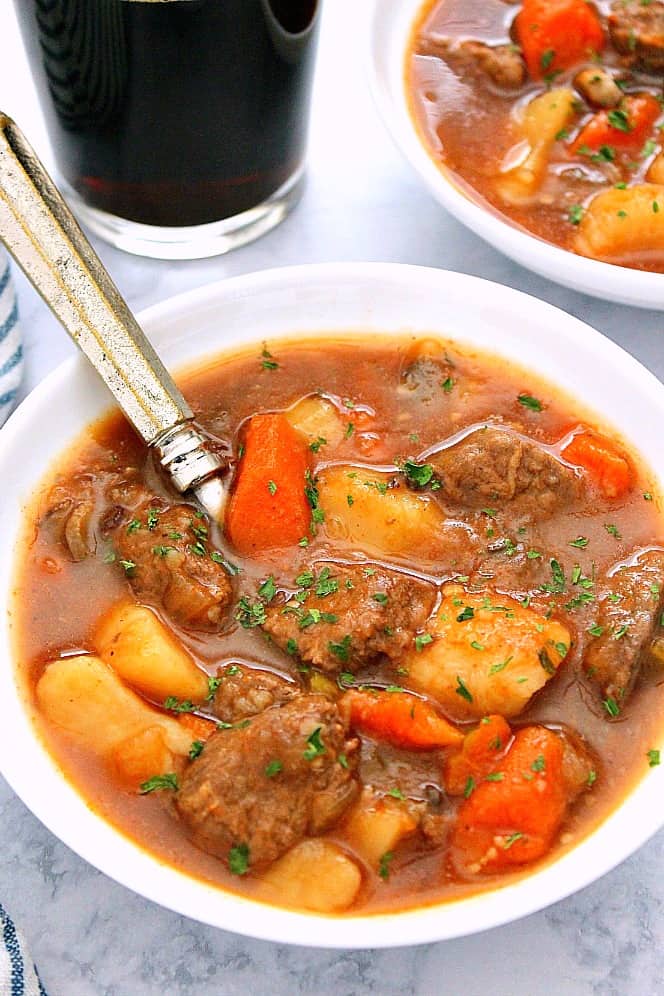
[[40, 232]]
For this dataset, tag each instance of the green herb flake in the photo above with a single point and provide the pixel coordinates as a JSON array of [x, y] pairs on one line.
[[596, 630], [196, 749], [495, 776], [470, 786], [381, 598], [273, 768], [396, 793], [580, 543], [533, 404], [133, 526], [315, 745], [466, 614], [654, 758], [343, 761], [422, 641], [158, 782], [462, 690], [341, 650], [592, 778], [512, 839], [539, 764], [575, 215], [419, 474], [213, 685], [447, 385], [495, 668], [384, 865], [238, 859], [612, 707]]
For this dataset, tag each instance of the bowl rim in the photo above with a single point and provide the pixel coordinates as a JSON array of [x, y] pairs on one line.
[[386, 76], [121, 859]]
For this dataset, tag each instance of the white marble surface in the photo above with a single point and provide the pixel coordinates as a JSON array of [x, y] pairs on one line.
[[90, 936]]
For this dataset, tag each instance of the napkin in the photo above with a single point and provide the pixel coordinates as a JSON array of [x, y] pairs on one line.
[[11, 342], [18, 976]]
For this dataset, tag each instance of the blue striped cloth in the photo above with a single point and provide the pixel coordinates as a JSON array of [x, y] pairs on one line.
[[11, 345], [18, 976]]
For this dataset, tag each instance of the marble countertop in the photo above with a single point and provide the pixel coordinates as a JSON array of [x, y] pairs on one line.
[[90, 936]]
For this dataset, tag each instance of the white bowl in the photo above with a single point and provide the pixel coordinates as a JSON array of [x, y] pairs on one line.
[[307, 300], [390, 27]]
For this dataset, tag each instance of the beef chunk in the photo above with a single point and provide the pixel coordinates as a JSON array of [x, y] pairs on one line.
[[637, 31], [244, 691], [503, 64], [577, 763], [630, 610], [270, 784], [166, 557], [495, 466], [344, 616]]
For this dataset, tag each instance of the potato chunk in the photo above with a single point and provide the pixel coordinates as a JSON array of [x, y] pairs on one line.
[[619, 222], [86, 698], [543, 119], [376, 825], [379, 514], [133, 641], [317, 418], [489, 654], [314, 875]]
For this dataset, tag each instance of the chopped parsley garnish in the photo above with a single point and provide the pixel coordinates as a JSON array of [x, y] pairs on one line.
[[196, 749], [576, 213], [533, 404], [158, 782], [128, 565], [620, 632], [174, 704], [326, 584], [496, 776], [618, 119], [133, 526], [380, 597], [476, 646], [268, 589], [512, 839], [162, 551], [213, 685], [153, 518], [315, 745], [557, 586], [273, 768], [396, 793], [238, 859], [341, 650], [466, 614], [647, 496], [611, 707], [350, 429], [419, 474], [462, 690], [653, 758], [272, 487], [470, 785], [249, 615], [580, 542], [447, 385], [547, 57], [421, 641], [317, 443], [596, 630], [343, 761], [612, 530], [592, 778], [495, 668], [198, 548], [291, 647], [384, 864], [539, 764]]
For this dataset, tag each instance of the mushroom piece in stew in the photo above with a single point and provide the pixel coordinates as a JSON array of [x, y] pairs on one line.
[[424, 654], [550, 112]]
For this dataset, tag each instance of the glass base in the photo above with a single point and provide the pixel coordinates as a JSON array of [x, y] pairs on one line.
[[192, 242]]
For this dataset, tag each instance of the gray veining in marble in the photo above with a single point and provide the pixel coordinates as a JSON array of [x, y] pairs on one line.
[[90, 936]]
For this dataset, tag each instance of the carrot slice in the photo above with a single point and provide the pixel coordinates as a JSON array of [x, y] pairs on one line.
[[627, 127], [512, 817], [603, 461], [555, 34], [269, 507], [480, 751], [402, 719], [200, 729]]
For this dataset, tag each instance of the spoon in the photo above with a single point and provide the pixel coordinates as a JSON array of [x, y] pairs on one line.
[[40, 232]]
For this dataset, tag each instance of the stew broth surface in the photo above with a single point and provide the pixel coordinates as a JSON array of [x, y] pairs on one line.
[[58, 602]]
